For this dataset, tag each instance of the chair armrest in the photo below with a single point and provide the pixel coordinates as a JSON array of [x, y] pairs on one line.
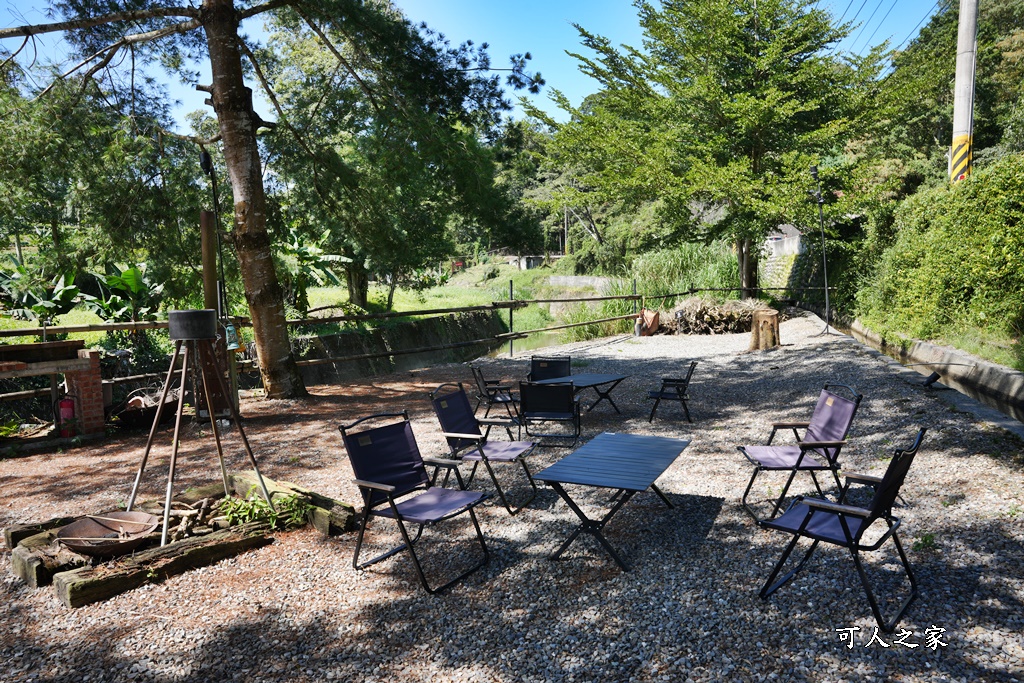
[[828, 506], [807, 445], [496, 421], [862, 479], [443, 462], [790, 425], [458, 435], [375, 486]]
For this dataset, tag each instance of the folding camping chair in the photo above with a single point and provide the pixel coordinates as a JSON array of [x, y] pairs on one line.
[[492, 392], [549, 367], [844, 525], [547, 403], [818, 450], [468, 444], [673, 389], [392, 478]]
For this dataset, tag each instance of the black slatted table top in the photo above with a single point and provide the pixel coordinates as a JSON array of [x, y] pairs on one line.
[[618, 461], [584, 380]]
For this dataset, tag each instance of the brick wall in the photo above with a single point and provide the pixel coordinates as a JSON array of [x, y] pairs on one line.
[[87, 386]]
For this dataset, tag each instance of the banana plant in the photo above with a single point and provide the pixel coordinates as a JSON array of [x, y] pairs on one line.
[[28, 295]]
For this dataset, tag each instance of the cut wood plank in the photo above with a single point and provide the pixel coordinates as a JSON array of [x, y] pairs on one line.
[[16, 533], [329, 516], [86, 585], [37, 559]]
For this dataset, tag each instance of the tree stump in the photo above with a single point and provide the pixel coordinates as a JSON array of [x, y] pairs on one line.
[[764, 330]]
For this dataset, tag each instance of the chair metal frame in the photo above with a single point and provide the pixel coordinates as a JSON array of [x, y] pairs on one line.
[[813, 455], [492, 392], [561, 396], [811, 518], [412, 498], [468, 443], [549, 367], [673, 389]]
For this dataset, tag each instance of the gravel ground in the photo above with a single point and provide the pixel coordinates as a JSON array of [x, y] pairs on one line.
[[689, 609]]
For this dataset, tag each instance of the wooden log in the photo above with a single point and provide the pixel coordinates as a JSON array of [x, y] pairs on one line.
[[37, 559], [329, 516], [16, 533], [764, 330], [86, 585]]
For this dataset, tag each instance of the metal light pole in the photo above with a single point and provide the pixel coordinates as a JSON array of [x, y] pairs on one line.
[[824, 261]]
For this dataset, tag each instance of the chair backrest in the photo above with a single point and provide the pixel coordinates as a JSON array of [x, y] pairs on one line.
[[478, 377], [551, 400], [685, 380], [887, 490], [386, 454], [451, 405], [833, 415], [549, 367]]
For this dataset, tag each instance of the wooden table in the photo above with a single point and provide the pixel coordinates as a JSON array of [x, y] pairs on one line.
[[596, 380], [626, 463]]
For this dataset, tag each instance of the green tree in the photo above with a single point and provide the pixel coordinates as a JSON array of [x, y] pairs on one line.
[[105, 32], [718, 117]]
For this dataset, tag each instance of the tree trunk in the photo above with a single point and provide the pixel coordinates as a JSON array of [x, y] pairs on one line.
[[358, 281], [232, 102], [764, 330], [746, 255]]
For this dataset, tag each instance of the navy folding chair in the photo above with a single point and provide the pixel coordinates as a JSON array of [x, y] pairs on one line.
[[546, 404], [492, 392], [392, 478], [673, 389], [816, 451], [469, 444], [549, 367], [844, 525]]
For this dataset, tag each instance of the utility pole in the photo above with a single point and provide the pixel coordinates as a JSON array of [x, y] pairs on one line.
[[963, 103]]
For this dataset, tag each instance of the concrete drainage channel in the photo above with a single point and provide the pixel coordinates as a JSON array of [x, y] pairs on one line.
[[991, 392]]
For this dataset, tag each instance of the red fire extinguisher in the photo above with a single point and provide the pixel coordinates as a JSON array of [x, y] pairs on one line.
[[66, 414]]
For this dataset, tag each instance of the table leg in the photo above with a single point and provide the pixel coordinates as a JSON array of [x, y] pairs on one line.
[[591, 526], [605, 396]]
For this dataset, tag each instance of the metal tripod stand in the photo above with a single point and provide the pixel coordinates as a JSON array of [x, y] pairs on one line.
[[196, 331]]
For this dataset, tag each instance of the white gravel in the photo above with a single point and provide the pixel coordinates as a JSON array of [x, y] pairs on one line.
[[688, 610]]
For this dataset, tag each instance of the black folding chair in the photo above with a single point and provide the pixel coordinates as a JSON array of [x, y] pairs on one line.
[[492, 392], [673, 389], [469, 444], [817, 451], [393, 480], [541, 404], [844, 525], [549, 367]]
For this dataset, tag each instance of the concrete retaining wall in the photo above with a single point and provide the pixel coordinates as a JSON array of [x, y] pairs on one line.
[[960, 371], [408, 335]]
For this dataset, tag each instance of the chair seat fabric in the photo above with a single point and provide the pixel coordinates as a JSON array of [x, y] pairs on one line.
[[549, 415], [432, 505], [783, 457], [501, 451], [823, 525]]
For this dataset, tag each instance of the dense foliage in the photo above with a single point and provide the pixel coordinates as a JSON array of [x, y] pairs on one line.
[[957, 260]]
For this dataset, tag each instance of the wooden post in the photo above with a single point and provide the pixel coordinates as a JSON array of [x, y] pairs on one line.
[[764, 330]]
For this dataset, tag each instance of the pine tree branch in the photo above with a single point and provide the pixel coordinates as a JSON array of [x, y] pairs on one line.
[[341, 59], [89, 22]]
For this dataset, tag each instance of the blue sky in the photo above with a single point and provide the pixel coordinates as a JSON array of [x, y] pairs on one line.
[[544, 29]]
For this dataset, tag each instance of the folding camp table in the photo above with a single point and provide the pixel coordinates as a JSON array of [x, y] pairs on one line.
[[627, 463], [591, 379]]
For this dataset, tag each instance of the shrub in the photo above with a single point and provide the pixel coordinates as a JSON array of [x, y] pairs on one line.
[[957, 260]]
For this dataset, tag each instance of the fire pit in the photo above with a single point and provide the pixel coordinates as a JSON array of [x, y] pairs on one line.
[[108, 535]]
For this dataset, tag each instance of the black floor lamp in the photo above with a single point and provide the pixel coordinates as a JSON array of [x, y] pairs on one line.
[[824, 261]]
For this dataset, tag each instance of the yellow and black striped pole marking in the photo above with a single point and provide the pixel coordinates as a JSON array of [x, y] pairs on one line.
[[960, 166]]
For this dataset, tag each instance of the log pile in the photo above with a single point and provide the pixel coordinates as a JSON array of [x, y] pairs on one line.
[[702, 316], [197, 538]]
